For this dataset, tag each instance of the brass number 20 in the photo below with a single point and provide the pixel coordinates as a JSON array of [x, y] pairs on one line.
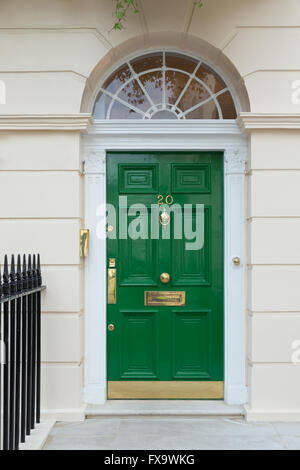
[[168, 200]]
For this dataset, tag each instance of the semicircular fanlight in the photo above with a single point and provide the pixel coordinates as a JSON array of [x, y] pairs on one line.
[[164, 85]]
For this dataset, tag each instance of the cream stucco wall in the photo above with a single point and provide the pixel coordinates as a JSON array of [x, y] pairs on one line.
[[274, 274], [49, 52], [41, 211]]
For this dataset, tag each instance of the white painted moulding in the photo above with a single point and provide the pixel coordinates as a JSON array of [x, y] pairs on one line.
[[83, 121], [155, 127], [51, 122], [252, 121]]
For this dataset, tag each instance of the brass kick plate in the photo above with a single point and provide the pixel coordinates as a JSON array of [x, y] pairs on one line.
[[164, 299], [165, 390]]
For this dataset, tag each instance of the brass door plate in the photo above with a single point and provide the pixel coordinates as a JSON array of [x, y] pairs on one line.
[[180, 390], [111, 286], [84, 242], [164, 299]]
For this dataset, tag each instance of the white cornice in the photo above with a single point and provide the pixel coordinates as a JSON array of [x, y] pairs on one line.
[[155, 127], [47, 122], [84, 122], [253, 121]]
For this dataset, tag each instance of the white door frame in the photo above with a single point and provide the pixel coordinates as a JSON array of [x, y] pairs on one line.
[[104, 136]]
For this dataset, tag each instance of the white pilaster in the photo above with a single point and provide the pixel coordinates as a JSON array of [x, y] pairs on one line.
[[95, 281], [235, 316]]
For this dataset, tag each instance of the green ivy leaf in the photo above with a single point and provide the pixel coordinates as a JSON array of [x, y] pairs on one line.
[[122, 7], [118, 27], [120, 14]]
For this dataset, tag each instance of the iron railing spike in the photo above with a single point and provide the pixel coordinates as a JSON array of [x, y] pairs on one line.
[[39, 270], [24, 273], [12, 275], [20, 308], [19, 275], [5, 277]]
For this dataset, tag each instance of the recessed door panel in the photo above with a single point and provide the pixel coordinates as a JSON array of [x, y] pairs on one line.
[[138, 261], [193, 267], [138, 344], [192, 341], [138, 178], [191, 179]]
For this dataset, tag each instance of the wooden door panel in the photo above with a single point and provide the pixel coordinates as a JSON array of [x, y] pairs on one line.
[[191, 179], [192, 328], [138, 344], [138, 260], [138, 178], [192, 267]]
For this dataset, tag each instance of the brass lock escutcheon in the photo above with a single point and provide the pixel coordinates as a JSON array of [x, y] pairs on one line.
[[165, 278], [112, 282], [111, 327]]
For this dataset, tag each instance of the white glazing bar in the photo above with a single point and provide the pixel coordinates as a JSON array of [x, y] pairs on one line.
[[141, 85], [213, 97], [159, 107], [187, 85], [164, 80], [116, 98]]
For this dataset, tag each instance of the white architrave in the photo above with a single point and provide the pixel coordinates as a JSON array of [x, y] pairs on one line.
[[161, 135]]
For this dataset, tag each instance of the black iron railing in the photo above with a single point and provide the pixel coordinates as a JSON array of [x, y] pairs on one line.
[[20, 350]]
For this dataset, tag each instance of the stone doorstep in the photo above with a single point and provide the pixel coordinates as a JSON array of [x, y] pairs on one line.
[[164, 408]]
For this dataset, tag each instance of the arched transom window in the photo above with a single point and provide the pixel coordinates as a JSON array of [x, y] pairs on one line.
[[164, 85]]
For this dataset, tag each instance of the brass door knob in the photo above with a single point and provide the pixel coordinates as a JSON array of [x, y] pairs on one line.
[[236, 261], [165, 278], [111, 327]]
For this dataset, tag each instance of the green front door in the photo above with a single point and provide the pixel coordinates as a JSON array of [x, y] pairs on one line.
[[165, 283]]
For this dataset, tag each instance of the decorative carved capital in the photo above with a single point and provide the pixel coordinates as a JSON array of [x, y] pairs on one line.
[[95, 162], [235, 161]]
